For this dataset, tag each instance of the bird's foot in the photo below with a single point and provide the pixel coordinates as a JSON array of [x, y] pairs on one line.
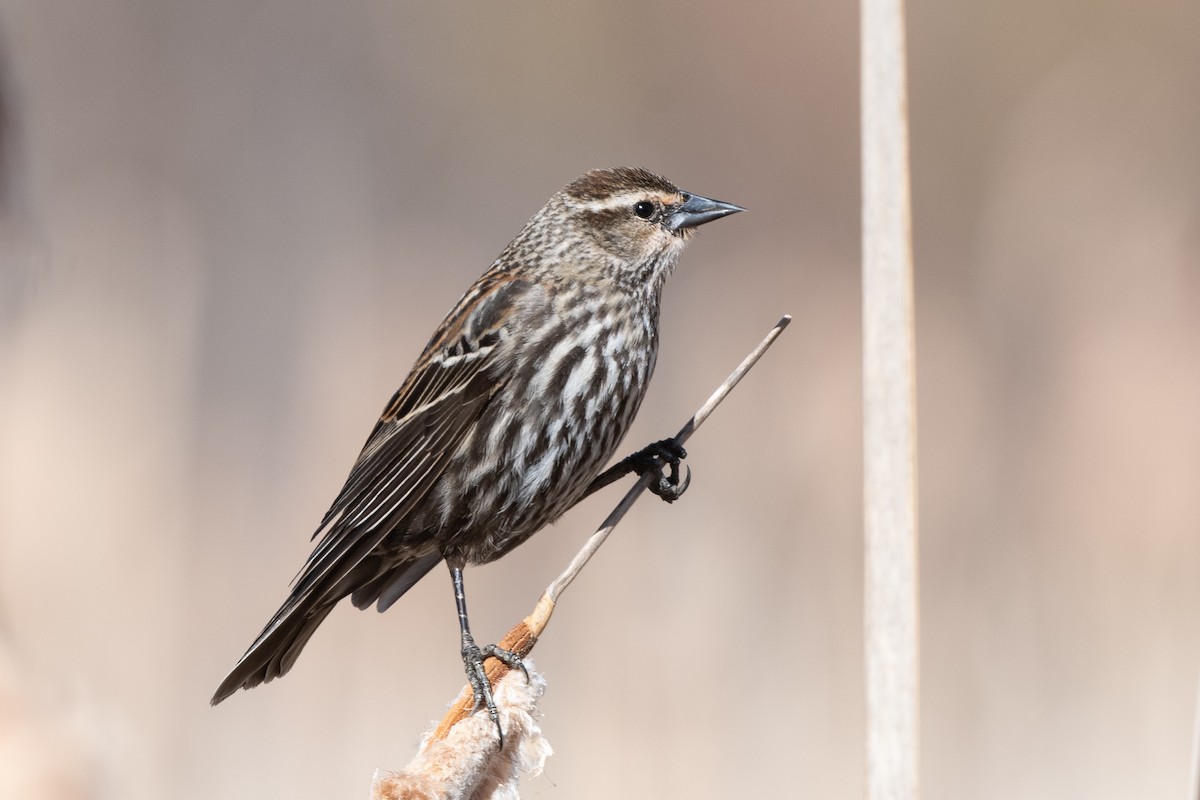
[[662, 459], [473, 658]]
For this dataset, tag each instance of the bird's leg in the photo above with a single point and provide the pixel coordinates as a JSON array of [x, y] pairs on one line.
[[473, 655], [654, 458]]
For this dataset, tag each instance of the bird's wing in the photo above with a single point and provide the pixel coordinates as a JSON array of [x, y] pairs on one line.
[[449, 388], [428, 417]]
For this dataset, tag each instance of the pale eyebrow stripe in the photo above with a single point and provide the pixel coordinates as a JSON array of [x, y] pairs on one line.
[[629, 198]]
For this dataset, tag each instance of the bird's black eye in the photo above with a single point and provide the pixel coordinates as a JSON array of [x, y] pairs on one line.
[[644, 209]]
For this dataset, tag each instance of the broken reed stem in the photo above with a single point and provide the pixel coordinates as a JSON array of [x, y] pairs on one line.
[[523, 636]]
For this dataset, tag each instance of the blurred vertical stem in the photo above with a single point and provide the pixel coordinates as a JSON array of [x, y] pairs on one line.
[[889, 400], [1194, 794]]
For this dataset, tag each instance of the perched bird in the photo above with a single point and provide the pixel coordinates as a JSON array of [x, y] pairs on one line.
[[505, 421]]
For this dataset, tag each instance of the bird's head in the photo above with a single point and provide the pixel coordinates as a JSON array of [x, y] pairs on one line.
[[631, 220]]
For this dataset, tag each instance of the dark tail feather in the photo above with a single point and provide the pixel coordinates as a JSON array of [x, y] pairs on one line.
[[280, 643], [387, 586], [275, 649]]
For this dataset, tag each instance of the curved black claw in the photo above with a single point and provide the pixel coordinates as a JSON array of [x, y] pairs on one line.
[[662, 455], [473, 658], [668, 487], [507, 656]]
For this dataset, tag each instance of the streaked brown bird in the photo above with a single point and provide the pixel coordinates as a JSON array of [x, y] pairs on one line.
[[505, 421]]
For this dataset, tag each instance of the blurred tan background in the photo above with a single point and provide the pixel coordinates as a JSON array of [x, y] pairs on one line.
[[227, 228]]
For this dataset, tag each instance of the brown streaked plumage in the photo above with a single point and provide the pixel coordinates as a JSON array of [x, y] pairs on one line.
[[516, 403]]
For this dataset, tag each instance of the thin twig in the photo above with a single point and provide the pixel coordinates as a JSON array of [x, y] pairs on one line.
[[593, 543], [523, 636]]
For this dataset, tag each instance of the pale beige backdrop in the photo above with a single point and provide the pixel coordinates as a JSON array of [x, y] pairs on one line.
[[227, 228]]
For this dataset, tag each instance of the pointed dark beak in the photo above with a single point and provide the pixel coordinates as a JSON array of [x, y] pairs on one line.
[[697, 211]]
